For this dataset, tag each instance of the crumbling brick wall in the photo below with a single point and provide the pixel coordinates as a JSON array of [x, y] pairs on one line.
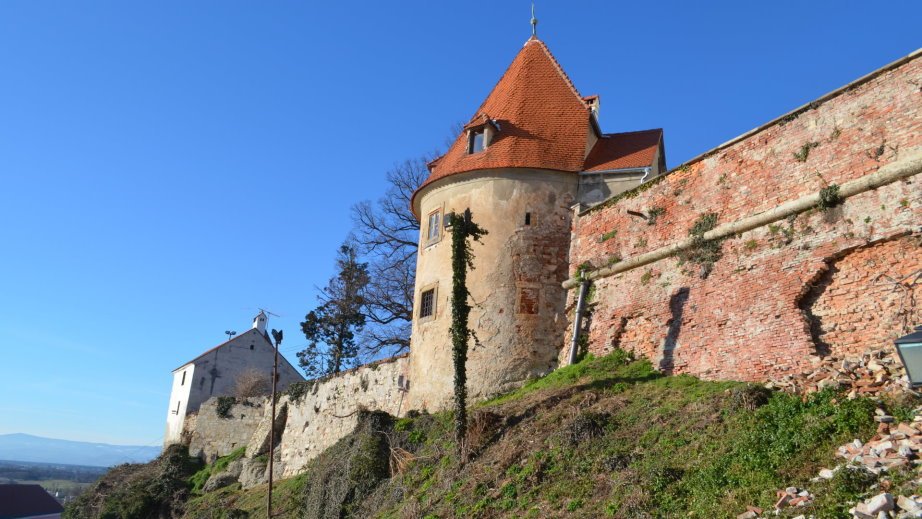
[[782, 293], [866, 296]]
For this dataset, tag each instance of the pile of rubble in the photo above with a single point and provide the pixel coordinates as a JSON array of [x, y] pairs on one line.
[[894, 446], [885, 506], [873, 373]]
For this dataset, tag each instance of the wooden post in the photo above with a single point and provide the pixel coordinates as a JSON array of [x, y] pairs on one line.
[[275, 378]]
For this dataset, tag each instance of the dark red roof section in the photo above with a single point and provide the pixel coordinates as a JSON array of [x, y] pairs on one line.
[[26, 501], [624, 150]]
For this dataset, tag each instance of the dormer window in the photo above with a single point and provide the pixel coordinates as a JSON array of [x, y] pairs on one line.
[[480, 133], [477, 141]]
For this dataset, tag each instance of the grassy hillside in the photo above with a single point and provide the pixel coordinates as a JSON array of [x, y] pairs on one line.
[[608, 437]]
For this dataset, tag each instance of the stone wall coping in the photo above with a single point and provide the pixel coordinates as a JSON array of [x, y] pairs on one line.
[[785, 117], [904, 168]]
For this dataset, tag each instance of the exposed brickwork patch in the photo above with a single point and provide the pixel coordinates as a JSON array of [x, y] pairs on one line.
[[744, 321], [869, 297]]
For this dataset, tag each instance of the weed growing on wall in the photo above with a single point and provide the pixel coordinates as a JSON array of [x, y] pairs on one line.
[[703, 252], [829, 197], [297, 390], [607, 236], [653, 215], [581, 271], [804, 151], [225, 403], [646, 277]]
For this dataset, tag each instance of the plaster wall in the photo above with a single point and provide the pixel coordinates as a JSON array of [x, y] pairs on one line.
[[215, 374], [179, 402], [518, 304], [595, 188], [833, 282]]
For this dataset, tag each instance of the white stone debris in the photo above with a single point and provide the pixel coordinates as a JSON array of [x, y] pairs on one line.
[[873, 373], [895, 445]]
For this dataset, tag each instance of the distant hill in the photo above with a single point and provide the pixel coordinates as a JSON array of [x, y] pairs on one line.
[[25, 447]]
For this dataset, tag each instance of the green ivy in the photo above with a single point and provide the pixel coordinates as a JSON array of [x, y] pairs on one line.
[[463, 229]]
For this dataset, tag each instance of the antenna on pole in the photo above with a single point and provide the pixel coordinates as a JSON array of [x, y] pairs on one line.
[[230, 334], [534, 22], [267, 312]]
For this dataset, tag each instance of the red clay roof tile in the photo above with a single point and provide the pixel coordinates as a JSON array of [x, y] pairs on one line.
[[542, 118], [624, 150], [543, 123]]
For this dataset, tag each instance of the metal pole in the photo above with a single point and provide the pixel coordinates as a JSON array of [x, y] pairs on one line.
[[578, 321], [275, 377]]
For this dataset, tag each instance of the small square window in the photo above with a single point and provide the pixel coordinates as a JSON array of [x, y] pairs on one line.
[[427, 303], [477, 141]]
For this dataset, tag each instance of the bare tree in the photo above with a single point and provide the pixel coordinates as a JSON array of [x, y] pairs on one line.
[[387, 233]]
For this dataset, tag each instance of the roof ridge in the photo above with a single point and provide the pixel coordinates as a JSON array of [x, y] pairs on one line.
[[554, 61], [560, 70], [232, 339], [633, 131]]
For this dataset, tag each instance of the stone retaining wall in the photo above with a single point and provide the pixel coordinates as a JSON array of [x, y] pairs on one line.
[[329, 410], [304, 427], [212, 436]]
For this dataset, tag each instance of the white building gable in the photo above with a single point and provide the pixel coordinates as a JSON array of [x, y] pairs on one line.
[[215, 372]]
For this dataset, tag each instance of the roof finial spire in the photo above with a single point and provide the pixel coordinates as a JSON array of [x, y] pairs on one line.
[[534, 22]]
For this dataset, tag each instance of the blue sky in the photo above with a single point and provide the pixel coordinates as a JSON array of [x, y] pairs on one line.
[[168, 167]]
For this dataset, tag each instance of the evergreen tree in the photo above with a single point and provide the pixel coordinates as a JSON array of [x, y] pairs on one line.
[[331, 327]]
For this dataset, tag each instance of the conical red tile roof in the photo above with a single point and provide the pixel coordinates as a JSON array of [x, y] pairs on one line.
[[542, 121]]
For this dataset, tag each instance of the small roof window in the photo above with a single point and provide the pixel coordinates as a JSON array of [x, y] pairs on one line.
[[477, 141]]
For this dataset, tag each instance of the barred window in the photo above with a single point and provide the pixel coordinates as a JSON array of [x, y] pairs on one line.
[[427, 303]]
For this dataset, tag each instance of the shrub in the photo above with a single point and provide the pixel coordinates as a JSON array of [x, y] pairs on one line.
[[225, 403]]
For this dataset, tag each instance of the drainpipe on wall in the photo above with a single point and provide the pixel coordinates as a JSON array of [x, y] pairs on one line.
[[578, 321]]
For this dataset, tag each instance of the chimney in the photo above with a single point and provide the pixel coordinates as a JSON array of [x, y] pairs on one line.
[[259, 322]]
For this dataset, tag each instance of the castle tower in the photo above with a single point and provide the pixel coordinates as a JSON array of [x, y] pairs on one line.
[[532, 151]]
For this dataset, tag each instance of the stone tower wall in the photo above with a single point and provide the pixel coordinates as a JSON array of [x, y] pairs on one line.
[[518, 304]]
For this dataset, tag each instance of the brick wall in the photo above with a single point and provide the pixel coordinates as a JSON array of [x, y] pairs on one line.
[[837, 281]]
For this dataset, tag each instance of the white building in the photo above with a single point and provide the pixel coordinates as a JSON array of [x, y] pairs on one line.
[[215, 372]]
